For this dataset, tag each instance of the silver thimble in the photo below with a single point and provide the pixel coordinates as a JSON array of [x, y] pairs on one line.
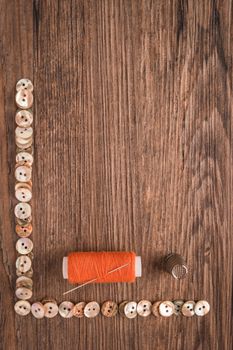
[[176, 265]]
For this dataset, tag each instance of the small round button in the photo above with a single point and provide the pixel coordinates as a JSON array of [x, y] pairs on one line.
[[109, 308], [23, 173], [66, 309], [23, 210], [24, 245], [78, 309], [24, 222], [24, 84], [51, 309], [166, 308], [24, 157], [27, 185], [23, 194], [23, 293], [91, 309], [24, 133], [188, 308], [23, 263], [22, 144], [202, 308], [23, 231], [22, 307], [178, 306], [121, 307], [155, 308], [130, 309], [37, 310], [24, 118], [28, 273], [144, 308], [24, 99]]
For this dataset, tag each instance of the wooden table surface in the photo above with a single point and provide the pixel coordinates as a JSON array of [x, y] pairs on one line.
[[133, 151]]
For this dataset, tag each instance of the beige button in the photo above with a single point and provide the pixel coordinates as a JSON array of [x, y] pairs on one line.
[[24, 281], [24, 84], [22, 144], [109, 308], [144, 308], [22, 307], [23, 231], [23, 263], [24, 157], [188, 308], [24, 118], [92, 309], [202, 308], [23, 210], [155, 308], [78, 309], [121, 307], [23, 293], [37, 310], [27, 185], [51, 309], [24, 133], [23, 173], [23, 194], [24, 222], [166, 308], [130, 309], [28, 273], [66, 309], [24, 99], [178, 306], [24, 245]]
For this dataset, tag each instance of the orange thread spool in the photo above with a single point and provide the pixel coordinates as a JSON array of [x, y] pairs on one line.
[[86, 266]]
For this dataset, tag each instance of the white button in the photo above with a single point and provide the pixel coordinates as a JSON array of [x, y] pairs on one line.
[[24, 245], [23, 263], [130, 309], [178, 306], [23, 173], [23, 211], [202, 308], [166, 308], [24, 84], [144, 308], [37, 310], [24, 118], [51, 309], [188, 308], [24, 133], [92, 309], [24, 157], [22, 307], [66, 309], [23, 293], [23, 194], [24, 99]]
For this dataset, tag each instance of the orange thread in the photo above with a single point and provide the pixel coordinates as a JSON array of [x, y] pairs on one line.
[[87, 266]]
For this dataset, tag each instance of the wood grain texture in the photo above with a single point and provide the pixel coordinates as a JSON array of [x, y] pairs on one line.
[[133, 135]]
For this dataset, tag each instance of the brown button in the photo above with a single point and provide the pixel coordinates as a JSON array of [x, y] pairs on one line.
[[130, 309], [24, 157], [155, 308], [51, 309], [144, 308], [23, 263], [23, 84], [24, 281], [166, 308], [24, 222], [27, 185], [23, 231], [202, 308], [37, 310], [78, 309], [23, 293], [23, 194], [188, 308], [24, 99], [109, 308], [28, 273], [23, 133], [23, 210], [91, 309], [22, 307], [24, 118], [121, 307], [178, 306], [24, 245], [66, 309], [23, 173]]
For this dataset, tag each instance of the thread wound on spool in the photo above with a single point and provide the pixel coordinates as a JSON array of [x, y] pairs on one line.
[[86, 266]]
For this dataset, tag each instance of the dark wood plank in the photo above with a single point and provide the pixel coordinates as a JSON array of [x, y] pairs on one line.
[[133, 135]]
